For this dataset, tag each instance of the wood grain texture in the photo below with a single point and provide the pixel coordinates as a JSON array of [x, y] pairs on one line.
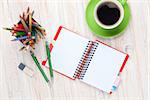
[[15, 85]]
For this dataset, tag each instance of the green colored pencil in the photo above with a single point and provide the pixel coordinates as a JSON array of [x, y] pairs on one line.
[[49, 61], [39, 67], [20, 33]]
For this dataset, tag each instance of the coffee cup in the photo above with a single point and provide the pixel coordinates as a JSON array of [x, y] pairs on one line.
[[108, 14]]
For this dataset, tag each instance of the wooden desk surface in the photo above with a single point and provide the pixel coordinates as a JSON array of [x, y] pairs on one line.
[[15, 85]]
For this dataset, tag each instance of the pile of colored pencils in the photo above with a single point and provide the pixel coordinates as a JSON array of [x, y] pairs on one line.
[[27, 30]]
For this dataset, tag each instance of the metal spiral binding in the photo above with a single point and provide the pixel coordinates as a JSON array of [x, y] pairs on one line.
[[85, 60]]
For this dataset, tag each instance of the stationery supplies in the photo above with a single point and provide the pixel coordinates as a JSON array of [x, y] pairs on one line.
[[39, 66], [49, 60], [26, 69], [92, 62], [20, 38], [29, 33]]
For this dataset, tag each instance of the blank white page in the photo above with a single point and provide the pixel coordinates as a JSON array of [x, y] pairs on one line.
[[67, 52], [104, 68]]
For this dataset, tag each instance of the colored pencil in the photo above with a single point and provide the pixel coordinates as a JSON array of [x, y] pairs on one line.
[[19, 29], [18, 34], [49, 60], [15, 29], [24, 25], [26, 41], [7, 28], [20, 38], [30, 22], [29, 32], [22, 48], [32, 12], [39, 33], [38, 27], [39, 66]]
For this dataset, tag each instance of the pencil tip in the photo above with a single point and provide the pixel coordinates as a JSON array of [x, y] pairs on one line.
[[4, 28], [52, 79], [23, 14], [28, 9], [20, 16], [32, 12]]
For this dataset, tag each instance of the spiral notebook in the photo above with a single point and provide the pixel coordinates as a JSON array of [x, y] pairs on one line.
[[92, 62]]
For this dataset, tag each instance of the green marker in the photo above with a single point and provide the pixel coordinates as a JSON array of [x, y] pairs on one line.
[[39, 67], [49, 61]]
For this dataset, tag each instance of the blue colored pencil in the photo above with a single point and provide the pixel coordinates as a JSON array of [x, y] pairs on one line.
[[20, 38]]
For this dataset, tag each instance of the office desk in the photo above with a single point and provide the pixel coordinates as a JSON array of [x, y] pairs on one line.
[[15, 85]]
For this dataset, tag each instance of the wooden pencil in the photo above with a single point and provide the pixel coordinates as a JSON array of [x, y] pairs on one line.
[[30, 22], [24, 24]]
